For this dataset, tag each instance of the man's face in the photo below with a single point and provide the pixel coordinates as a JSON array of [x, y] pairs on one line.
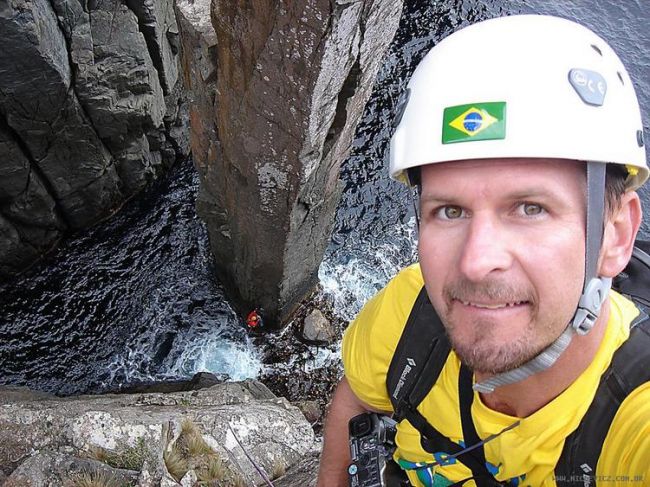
[[502, 245]]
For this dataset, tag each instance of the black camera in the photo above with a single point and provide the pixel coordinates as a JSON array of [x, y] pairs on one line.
[[372, 443]]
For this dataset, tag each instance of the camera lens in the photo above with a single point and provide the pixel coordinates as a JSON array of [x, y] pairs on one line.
[[360, 425]]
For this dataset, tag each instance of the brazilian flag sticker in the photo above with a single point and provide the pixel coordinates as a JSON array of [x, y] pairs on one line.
[[476, 121]]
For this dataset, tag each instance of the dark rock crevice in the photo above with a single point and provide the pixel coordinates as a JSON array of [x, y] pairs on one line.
[[148, 31], [34, 167], [348, 90]]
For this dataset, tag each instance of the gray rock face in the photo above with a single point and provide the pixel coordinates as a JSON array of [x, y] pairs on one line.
[[291, 84], [117, 84], [45, 116], [44, 469], [138, 431], [83, 116], [158, 24], [29, 220], [304, 474]]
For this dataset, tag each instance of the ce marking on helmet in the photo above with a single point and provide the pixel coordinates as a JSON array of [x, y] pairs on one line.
[[582, 80], [590, 86]]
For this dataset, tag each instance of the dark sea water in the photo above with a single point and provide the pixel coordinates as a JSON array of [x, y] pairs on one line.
[[135, 298]]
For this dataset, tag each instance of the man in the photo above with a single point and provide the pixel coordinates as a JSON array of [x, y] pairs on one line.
[[508, 130]]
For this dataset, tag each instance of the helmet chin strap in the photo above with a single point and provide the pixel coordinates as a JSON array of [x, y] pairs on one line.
[[594, 292]]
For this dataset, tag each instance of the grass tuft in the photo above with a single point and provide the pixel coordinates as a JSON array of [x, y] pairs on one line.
[[97, 479], [176, 463], [130, 458], [190, 451]]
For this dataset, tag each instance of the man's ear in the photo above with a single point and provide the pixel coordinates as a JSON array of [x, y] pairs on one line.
[[621, 228]]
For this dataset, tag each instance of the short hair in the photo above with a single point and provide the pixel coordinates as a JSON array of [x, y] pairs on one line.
[[616, 176]]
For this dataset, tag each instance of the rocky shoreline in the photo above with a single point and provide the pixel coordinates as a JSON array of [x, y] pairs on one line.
[[294, 371]]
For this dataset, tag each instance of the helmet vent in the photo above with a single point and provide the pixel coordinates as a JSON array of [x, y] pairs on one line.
[[620, 76], [597, 49], [400, 108], [639, 138]]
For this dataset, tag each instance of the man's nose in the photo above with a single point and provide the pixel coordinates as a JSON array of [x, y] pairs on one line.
[[485, 249]]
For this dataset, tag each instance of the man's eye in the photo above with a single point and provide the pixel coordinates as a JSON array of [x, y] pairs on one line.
[[531, 209], [450, 212]]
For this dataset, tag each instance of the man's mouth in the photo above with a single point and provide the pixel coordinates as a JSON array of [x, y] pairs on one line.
[[492, 305]]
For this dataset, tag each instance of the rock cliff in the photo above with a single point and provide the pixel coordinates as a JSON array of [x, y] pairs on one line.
[[90, 111], [211, 436], [278, 88]]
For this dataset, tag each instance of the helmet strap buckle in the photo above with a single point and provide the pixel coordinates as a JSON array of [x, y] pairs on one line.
[[592, 298]]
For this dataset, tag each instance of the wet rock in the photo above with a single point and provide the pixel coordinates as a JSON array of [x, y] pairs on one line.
[[135, 431], [271, 129], [29, 221], [317, 328], [299, 371], [58, 469]]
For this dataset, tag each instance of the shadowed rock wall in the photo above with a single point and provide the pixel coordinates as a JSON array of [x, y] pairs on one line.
[[278, 88], [90, 111]]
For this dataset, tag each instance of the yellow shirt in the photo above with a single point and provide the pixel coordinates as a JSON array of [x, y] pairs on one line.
[[525, 455]]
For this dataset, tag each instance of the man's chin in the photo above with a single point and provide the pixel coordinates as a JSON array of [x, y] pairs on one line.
[[489, 362]]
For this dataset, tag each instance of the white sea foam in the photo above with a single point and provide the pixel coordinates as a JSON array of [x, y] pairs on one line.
[[238, 360], [199, 351], [355, 275]]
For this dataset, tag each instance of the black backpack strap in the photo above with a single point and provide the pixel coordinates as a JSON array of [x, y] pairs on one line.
[[634, 281], [482, 477], [629, 369], [419, 358]]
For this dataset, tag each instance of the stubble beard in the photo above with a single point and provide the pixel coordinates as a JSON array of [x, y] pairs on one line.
[[479, 349]]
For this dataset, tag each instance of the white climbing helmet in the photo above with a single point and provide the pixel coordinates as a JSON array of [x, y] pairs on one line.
[[520, 86]]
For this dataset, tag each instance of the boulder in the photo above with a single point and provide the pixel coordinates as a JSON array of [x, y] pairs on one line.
[[270, 128], [317, 328], [311, 409]]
